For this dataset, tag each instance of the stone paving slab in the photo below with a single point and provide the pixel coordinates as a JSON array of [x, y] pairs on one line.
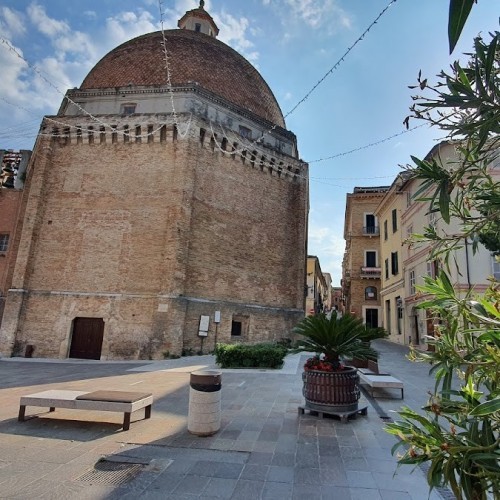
[[264, 449]]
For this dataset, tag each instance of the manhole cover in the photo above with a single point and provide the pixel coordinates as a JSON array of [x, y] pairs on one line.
[[114, 473]]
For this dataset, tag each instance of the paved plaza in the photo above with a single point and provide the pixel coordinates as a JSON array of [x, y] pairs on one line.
[[264, 448]]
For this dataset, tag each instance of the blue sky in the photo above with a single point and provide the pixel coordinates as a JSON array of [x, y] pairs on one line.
[[293, 43]]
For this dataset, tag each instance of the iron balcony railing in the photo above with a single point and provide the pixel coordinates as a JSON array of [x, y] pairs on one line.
[[371, 230], [371, 272]]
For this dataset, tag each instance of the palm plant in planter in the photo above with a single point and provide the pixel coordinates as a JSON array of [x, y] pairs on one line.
[[329, 385]]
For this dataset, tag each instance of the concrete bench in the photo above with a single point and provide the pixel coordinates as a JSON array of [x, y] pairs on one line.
[[379, 381], [120, 401], [367, 371]]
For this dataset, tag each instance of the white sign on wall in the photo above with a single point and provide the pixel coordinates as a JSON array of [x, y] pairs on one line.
[[204, 322]]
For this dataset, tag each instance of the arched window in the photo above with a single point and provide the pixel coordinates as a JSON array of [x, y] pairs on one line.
[[370, 293]]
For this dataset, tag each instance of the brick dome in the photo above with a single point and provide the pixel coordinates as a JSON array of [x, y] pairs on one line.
[[193, 57]]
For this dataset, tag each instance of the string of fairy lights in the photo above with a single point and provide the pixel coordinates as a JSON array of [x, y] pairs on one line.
[[306, 96], [252, 156], [182, 129]]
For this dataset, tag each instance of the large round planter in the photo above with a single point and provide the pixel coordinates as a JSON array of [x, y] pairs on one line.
[[335, 392]]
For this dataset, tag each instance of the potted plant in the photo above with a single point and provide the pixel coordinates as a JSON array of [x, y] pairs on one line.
[[330, 385]]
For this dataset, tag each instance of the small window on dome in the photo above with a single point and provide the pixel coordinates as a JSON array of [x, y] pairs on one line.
[[197, 27], [245, 132], [128, 109]]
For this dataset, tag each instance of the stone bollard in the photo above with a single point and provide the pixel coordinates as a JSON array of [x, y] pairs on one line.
[[204, 402]]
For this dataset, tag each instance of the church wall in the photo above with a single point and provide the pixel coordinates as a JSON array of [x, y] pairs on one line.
[[261, 324], [109, 217], [10, 200], [133, 326], [247, 228], [141, 233]]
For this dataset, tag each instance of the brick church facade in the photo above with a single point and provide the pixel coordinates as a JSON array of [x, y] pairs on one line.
[[159, 215]]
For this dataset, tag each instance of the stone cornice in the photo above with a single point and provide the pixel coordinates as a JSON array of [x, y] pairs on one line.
[[193, 87]]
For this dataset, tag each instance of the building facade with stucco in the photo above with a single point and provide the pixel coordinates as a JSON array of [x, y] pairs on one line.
[[392, 253], [361, 266], [317, 288], [167, 208], [468, 270]]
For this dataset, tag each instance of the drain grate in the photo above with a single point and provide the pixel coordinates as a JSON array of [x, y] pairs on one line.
[[113, 473]]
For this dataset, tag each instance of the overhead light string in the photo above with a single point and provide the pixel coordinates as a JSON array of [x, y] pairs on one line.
[[183, 134], [20, 131], [330, 71], [341, 60], [366, 146], [12, 49], [169, 73]]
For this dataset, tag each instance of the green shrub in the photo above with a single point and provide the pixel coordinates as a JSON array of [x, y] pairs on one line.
[[265, 355]]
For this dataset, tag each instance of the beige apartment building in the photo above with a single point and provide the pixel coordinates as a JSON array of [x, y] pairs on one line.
[[467, 270], [337, 300], [328, 292], [382, 269], [392, 289], [361, 267], [317, 289]]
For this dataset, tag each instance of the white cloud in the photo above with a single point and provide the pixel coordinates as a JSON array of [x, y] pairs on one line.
[[11, 23], [127, 25], [172, 15], [316, 13], [21, 87], [90, 14], [75, 42], [45, 24], [69, 54], [14, 69], [328, 246], [68, 43], [58, 75], [233, 31]]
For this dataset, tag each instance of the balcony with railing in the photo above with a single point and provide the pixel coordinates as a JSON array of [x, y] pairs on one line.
[[371, 230], [370, 272]]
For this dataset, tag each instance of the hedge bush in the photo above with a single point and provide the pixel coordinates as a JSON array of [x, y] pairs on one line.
[[265, 355]]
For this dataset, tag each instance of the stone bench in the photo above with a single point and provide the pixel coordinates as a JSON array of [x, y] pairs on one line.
[[380, 381], [367, 371], [120, 401]]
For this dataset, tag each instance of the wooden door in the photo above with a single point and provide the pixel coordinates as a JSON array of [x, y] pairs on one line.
[[86, 342], [371, 319]]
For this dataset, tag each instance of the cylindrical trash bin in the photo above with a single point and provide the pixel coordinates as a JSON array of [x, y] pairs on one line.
[[204, 402]]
